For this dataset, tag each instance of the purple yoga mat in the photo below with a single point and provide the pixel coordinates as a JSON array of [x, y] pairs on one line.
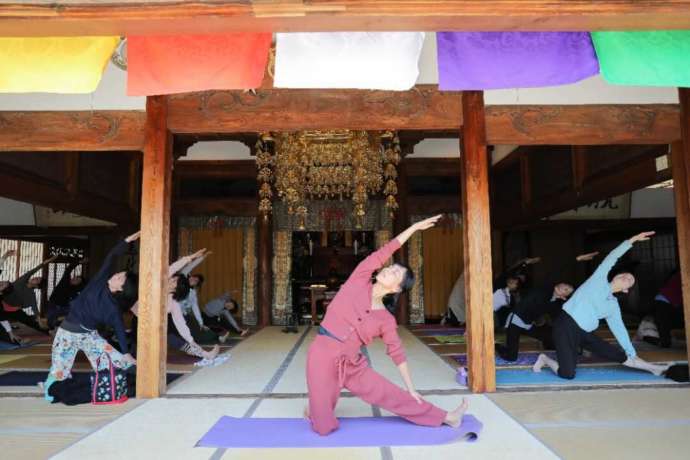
[[494, 60], [231, 432]]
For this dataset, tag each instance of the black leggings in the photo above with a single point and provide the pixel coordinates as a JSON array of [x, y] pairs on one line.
[[21, 317], [569, 337], [667, 317], [509, 351]]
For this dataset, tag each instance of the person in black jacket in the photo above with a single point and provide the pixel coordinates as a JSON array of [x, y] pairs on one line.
[[534, 304], [98, 304], [67, 289]]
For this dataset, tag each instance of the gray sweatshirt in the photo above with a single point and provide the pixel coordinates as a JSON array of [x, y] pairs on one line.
[[216, 306]]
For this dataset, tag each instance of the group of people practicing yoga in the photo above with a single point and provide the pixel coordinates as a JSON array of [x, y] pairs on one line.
[[89, 307], [575, 313], [362, 311]]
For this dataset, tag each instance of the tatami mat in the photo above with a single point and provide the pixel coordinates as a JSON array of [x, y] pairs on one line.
[[251, 366]]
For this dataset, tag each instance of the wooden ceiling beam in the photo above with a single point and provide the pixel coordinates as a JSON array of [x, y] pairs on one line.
[[102, 130], [423, 108], [225, 169], [128, 17]]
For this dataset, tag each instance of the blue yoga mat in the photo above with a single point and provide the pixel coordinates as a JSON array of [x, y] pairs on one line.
[[582, 375]]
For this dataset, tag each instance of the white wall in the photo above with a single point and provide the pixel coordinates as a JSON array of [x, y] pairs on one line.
[[16, 213], [218, 150], [652, 202]]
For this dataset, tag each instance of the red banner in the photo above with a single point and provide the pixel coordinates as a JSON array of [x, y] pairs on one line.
[[168, 64]]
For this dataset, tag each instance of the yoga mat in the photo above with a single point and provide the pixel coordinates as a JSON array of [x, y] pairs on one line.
[[583, 375], [31, 378], [9, 358], [449, 339], [524, 359], [439, 331], [231, 432]]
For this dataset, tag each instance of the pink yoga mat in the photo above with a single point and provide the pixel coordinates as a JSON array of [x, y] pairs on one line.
[[231, 432]]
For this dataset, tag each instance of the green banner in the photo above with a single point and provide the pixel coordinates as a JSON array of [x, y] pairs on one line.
[[648, 58]]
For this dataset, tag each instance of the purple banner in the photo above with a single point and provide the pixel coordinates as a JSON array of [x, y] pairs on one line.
[[495, 60]]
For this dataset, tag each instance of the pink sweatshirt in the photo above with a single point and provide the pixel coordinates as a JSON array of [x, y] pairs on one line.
[[350, 317], [173, 307]]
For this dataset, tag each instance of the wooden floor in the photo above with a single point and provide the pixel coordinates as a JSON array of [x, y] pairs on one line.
[[265, 377]]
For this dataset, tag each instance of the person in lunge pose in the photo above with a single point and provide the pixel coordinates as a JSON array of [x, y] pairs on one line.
[[98, 304], [591, 302], [360, 312], [534, 304]]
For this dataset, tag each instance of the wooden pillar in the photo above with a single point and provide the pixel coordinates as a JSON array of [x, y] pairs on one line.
[[476, 228], [265, 256], [154, 251], [680, 159], [400, 222]]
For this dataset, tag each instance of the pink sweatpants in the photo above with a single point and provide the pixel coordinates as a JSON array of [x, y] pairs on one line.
[[332, 366]]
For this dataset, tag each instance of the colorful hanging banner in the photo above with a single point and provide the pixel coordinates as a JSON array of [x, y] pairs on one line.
[[168, 64], [648, 58], [362, 60], [54, 64], [495, 60]]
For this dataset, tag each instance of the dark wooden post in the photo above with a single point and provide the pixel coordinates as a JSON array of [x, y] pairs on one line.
[[400, 222], [680, 159], [154, 252], [265, 256], [476, 227]]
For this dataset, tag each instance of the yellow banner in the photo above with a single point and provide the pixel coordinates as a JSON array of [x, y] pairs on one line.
[[54, 64]]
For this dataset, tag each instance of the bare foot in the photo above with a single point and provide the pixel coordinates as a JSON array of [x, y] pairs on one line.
[[212, 353], [541, 362], [223, 338], [454, 417], [244, 332]]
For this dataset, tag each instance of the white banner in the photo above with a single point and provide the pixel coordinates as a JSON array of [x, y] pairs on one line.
[[360, 60]]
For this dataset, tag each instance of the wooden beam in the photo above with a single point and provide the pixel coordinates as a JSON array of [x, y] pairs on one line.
[[225, 169], [103, 130], [236, 207], [476, 231], [582, 124], [423, 107], [10, 231], [129, 17], [681, 184], [265, 268], [152, 341], [621, 179]]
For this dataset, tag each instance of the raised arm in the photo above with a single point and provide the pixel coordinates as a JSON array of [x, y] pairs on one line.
[[119, 249], [187, 269], [376, 259], [607, 264], [6, 256], [182, 262], [25, 277]]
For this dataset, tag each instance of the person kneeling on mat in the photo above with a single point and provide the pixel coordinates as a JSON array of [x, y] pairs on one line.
[[534, 304], [360, 312], [591, 302]]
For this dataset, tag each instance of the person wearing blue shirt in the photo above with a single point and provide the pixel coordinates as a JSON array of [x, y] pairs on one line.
[[595, 300]]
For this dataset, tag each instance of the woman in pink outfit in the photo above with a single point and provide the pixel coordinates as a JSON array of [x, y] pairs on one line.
[[359, 313]]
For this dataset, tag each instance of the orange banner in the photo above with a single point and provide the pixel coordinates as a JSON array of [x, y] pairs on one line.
[[168, 64]]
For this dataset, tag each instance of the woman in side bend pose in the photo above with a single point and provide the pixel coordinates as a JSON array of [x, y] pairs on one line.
[[592, 301], [180, 336], [359, 313]]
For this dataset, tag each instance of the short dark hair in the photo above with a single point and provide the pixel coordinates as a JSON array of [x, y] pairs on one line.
[[201, 279], [182, 289], [130, 291], [390, 301]]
